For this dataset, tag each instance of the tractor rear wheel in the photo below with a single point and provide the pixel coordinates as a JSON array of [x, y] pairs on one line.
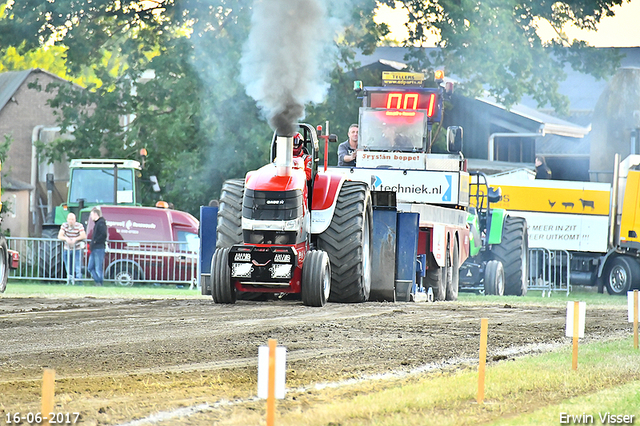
[[513, 252], [222, 290], [229, 229], [494, 278], [454, 273], [347, 241], [316, 278], [50, 255]]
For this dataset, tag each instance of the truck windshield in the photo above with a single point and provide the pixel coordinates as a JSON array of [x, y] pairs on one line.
[[392, 130], [95, 186]]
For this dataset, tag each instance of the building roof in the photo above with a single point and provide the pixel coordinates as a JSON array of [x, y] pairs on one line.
[[11, 81], [549, 125], [12, 184]]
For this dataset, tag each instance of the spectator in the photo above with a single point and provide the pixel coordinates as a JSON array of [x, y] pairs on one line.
[[73, 235], [348, 150], [542, 170], [98, 239]]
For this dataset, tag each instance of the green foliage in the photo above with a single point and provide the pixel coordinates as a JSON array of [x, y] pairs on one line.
[[492, 47], [194, 117]]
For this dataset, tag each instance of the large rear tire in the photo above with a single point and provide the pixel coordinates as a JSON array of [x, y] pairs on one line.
[[229, 229], [513, 252], [316, 278], [623, 274], [347, 241], [4, 264], [454, 273], [494, 278], [50, 255], [222, 291]]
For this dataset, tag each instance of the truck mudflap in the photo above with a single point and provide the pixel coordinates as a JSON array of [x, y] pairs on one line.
[[257, 265]]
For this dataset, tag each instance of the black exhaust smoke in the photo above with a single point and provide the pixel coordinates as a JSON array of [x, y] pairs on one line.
[[281, 61]]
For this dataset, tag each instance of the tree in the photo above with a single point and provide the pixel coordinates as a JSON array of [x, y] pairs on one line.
[[493, 46], [194, 116]]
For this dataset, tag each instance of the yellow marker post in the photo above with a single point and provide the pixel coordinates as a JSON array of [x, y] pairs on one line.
[[576, 334], [635, 319], [271, 393], [484, 327], [48, 382]]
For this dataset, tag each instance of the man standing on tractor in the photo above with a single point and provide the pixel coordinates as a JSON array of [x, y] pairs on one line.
[[348, 150]]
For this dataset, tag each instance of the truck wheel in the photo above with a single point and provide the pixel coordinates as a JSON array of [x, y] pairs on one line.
[[316, 278], [229, 229], [347, 241], [454, 274], [513, 252], [125, 274], [436, 279], [50, 255], [494, 278], [622, 275], [222, 290], [4, 264]]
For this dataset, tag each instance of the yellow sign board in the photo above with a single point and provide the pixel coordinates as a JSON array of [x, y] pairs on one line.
[[551, 200], [395, 78]]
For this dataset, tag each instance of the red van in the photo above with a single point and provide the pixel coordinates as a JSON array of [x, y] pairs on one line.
[[149, 244]]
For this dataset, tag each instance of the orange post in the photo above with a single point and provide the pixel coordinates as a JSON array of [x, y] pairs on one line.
[[48, 382], [271, 387], [484, 327], [576, 333], [635, 319]]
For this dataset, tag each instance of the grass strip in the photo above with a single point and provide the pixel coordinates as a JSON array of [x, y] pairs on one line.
[[529, 390], [87, 289]]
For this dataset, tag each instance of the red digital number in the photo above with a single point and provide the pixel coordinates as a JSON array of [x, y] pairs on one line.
[[403, 101]]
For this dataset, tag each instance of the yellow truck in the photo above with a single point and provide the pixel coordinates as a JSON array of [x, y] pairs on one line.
[[597, 223]]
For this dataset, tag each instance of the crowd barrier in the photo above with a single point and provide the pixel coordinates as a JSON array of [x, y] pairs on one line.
[[125, 262]]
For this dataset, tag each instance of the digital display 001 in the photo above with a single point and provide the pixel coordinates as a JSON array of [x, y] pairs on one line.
[[404, 100]]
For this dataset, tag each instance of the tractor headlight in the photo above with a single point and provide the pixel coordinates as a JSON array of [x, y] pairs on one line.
[[241, 270], [281, 271]]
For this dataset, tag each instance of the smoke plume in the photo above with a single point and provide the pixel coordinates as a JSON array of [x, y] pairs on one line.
[[282, 65]]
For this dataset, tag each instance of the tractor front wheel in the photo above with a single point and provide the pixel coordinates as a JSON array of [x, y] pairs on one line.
[[316, 278], [222, 290], [494, 278], [513, 252]]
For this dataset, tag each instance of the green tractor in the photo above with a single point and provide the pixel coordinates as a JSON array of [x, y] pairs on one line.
[[498, 262], [92, 182]]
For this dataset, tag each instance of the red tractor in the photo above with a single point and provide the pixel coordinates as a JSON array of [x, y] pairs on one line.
[[289, 228]]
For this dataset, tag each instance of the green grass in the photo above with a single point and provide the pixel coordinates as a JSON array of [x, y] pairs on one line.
[[37, 289], [532, 390], [583, 294]]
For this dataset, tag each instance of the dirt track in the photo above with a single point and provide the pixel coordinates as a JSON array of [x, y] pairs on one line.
[[117, 360]]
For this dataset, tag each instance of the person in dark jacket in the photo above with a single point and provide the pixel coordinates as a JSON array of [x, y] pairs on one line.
[[542, 170], [98, 239]]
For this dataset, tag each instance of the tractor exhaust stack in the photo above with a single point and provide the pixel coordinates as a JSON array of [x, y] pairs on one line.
[[284, 155]]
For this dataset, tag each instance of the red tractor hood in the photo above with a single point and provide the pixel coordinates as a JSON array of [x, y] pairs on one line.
[[266, 178]]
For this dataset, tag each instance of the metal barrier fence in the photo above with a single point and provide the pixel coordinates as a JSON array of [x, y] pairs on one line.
[[549, 270], [125, 262]]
